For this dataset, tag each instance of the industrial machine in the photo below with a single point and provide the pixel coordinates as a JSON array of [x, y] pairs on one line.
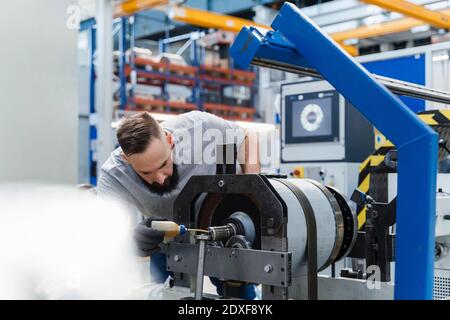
[[249, 239], [305, 50], [281, 232], [376, 211], [323, 137]]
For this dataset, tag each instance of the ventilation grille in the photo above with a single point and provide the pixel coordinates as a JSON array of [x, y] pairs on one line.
[[441, 288]]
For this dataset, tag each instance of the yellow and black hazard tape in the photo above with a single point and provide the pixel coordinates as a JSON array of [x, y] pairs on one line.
[[431, 117], [436, 117], [364, 176]]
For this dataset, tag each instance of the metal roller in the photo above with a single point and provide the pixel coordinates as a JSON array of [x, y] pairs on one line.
[[335, 221], [332, 221]]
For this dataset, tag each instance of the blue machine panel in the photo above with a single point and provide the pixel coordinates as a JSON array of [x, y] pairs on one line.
[[409, 68]]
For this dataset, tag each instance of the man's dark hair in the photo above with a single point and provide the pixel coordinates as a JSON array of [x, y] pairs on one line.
[[135, 132]]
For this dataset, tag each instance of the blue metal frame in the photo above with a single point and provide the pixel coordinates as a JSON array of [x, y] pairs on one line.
[[92, 128], [87, 25], [132, 23], [122, 62], [298, 42], [195, 61], [164, 92], [163, 45]]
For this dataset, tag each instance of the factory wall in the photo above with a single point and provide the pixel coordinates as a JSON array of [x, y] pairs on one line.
[[38, 86]]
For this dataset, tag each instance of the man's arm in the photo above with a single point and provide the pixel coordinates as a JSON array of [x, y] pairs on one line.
[[246, 141], [109, 187], [146, 239], [248, 153]]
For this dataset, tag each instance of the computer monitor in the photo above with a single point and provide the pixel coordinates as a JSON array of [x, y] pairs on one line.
[[312, 117]]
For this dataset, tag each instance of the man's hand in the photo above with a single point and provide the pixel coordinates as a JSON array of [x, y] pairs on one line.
[[147, 239]]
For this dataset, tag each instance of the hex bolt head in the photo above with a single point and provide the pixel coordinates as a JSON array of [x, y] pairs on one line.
[[177, 258], [268, 268], [270, 222]]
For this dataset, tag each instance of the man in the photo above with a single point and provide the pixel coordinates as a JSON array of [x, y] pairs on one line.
[[154, 162]]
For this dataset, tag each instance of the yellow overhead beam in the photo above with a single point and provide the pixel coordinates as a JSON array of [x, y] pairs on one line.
[[381, 29], [197, 17], [208, 19], [435, 18], [130, 7], [353, 51]]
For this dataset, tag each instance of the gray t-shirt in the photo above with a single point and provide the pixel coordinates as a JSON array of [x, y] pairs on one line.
[[195, 136]]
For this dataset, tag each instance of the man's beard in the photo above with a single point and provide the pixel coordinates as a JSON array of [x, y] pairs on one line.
[[169, 185]]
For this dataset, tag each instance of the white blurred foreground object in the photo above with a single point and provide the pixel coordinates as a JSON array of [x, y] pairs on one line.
[[61, 243]]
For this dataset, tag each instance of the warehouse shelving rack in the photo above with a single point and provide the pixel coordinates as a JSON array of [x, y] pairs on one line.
[[198, 77]]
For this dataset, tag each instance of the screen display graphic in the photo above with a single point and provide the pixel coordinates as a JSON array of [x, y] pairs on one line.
[[312, 117]]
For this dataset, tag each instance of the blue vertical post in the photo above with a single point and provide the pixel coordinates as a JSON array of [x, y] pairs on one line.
[[122, 62], [195, 61], [161, 46], [416, 142], [92, 127], [165, 96], [132, 23]]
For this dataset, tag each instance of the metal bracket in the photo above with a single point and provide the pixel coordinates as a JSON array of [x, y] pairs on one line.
[[254, 266], [375, 244]]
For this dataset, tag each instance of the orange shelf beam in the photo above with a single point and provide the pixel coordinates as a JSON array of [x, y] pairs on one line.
[[163, 103], [222, 107], [166, 66]]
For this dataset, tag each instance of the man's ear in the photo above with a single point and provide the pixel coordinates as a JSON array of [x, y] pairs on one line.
[[169, 138]]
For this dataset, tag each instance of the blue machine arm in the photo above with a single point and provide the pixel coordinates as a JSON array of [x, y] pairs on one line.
[[258, 44], [297, 41]]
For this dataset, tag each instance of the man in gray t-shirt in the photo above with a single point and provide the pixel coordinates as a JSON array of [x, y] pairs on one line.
[[154, 162]]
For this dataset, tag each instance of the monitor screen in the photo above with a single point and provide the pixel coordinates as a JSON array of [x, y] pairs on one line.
[[312, 117]]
